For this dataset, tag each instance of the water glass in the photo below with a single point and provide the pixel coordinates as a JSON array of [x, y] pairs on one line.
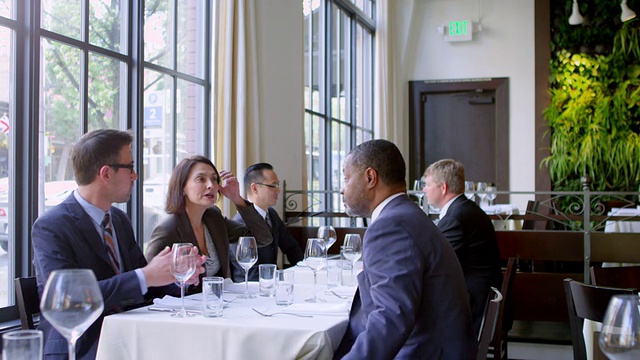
[[334, 273], [22, 344], [267, 280], [348, 277], [212, 301], [284, 287]]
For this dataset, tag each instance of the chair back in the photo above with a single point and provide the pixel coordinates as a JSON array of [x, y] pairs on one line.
[[505, 319], [28, 300], [586, 302], [488, 325], [627, 277]]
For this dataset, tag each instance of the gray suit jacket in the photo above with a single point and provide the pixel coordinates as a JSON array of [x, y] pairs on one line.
[[412, 302], [65, 238]]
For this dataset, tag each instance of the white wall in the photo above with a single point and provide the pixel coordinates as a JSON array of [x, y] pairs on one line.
[[504, 48]]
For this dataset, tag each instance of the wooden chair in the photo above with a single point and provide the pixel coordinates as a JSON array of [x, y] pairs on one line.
[[488, 325], [498, 346], [627, 277], [28, 300], [586, 302]]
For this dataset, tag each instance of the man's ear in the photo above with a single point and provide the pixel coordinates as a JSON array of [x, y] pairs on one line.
[[372, 177], [104, 173]]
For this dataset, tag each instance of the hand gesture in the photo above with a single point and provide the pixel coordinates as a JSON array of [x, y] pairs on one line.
[[230, 188]]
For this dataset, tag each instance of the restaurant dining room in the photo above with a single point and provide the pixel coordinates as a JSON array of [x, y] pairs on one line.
[[186, 179]]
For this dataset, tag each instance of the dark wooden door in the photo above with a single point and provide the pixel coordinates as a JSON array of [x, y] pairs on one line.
[[466, 121]]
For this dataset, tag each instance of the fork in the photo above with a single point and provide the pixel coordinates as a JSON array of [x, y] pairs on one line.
[[280, 312], [338, 295]]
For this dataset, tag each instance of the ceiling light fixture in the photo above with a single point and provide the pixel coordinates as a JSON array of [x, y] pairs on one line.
[[627, 14], [576, 18]]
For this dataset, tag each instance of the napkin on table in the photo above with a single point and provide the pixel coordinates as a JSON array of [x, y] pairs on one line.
[[324, 309], [171, 302]]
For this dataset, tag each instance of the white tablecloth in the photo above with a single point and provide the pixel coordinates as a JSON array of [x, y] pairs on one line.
[[239, 334], [623, 226]]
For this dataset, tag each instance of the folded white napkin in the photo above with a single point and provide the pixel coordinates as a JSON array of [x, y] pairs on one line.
[[238, 288], [324, 309], [624, 212], [190, 303], [301, 263]]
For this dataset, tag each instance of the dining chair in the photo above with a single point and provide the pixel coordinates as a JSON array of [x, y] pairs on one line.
[[586, 302], [627, 277], [28, 300], [488, 325], [498, 346]]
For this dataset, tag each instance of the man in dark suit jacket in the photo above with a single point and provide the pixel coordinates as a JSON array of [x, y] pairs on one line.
[[71, 235], [263, 187], [468, 229], [411, 302]]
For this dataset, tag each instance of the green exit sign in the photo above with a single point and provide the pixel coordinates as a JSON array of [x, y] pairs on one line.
[[458, 28]]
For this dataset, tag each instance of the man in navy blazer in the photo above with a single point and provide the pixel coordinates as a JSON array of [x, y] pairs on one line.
[[263, 188], [411, 302], [468, 229], [72, 236]]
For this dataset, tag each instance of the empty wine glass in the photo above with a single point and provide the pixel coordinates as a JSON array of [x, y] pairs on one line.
[[469, 189], [71, 302], [315, 256], [491, 194], [247, 256], [352, 249], [482, 191], [418, 186], [328, 233], [183, 266], [620, 335]]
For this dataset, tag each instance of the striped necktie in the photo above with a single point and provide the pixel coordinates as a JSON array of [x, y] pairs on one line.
[[110, 244], [267, 219]]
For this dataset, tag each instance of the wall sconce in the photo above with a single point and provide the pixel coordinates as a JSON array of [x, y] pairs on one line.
[[627, 14], [576, 18]]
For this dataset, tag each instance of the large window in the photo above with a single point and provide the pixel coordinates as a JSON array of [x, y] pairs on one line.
[[71, 66], [338, 58]]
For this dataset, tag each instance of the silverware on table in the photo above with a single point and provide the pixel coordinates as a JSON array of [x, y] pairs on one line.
[[281, 312]]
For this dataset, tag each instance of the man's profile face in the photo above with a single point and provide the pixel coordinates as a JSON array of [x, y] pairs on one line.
[[354, 190], [433, 192], [266, 194], [122, 179]]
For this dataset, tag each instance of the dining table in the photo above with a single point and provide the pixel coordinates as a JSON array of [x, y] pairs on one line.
[[302, 330]]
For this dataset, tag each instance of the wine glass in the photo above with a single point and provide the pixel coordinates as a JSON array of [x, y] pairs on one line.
[[247, 256], [469, 189], [183, 266], [328, 233], [482, 191], [352, 249], [315, 256], [620, 335], [418, 185], [491, 194], [71, 302]]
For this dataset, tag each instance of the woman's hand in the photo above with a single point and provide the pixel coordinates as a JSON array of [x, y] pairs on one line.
[[230, 188]]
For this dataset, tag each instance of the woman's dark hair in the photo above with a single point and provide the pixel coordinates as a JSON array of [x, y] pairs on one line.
[[175, 193]]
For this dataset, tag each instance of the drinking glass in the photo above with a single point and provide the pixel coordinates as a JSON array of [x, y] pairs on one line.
[[482, 191], [491, 194], [328, 233], [418, 185], [352, 249], [22, 344], [315, 256], [71, 302], [183, 266], [247, 256], [620, 335], [469, 188]]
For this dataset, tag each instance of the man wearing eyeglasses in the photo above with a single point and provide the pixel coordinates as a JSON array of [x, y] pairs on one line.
[[263, 188], [86, 232]]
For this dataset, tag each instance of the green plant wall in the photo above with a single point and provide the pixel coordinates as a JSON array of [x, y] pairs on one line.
[[594, 113]]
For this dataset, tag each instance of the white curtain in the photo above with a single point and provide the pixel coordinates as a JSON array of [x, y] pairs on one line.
[[236, 142], [385, 74]]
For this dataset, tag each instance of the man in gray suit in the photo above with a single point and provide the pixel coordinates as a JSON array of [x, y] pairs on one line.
[[412, 301]]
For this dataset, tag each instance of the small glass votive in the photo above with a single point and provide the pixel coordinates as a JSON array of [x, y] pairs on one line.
[[284, 287], [22, 344], [334, 273], [212, 301], [266, 283]]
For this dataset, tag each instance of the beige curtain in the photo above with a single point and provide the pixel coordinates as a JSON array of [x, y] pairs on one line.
[[236, 142], [385, 76]]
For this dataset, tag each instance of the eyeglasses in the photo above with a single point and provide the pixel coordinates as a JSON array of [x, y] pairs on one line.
[[273, 186], [122, 166]]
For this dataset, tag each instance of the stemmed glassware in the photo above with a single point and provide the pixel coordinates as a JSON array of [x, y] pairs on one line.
[[620, 335], [418, 185], [482, 192], [328, 233], [71, 302], [491, 194], [247, 256], [469, 189], [183, 266], [352, 249], [315, 257]]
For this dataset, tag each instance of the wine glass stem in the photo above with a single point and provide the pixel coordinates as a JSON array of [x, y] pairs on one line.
[[315, 281], [72, 350], [183, 311], [246, 282], [353, 265]]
